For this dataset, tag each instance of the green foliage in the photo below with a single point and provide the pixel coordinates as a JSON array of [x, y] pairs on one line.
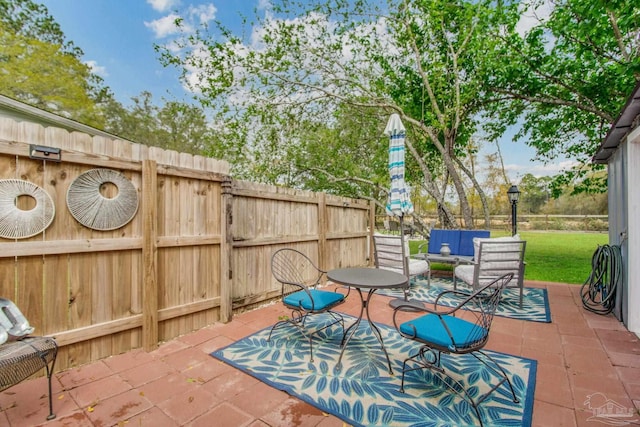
[[41, 69], [566, 80]]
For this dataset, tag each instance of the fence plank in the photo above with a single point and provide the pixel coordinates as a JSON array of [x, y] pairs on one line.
[[150, 256]]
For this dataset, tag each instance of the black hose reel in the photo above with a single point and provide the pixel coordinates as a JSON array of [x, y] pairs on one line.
[[599, 291]]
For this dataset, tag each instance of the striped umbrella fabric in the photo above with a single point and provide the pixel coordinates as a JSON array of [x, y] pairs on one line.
[[399, 202]]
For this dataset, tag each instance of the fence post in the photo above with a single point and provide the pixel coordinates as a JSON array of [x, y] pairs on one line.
[[372, 226], [226, 252], [150, 255], [322, 231]]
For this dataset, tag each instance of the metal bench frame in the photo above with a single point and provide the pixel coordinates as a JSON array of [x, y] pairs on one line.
[[22, 358]]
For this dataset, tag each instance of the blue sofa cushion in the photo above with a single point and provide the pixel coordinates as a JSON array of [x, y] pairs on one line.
[[466, 247], [460, 241], [438, 237]]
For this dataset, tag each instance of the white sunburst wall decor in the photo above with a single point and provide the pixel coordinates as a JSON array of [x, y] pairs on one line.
[[93, 210], [17, 223]]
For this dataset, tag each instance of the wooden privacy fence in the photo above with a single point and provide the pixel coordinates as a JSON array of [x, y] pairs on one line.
[[197, 248]]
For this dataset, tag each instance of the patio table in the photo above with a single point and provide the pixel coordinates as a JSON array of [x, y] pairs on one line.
[[370, 279], [445, 259]]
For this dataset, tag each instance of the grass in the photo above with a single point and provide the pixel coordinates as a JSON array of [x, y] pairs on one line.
[[563, 257]]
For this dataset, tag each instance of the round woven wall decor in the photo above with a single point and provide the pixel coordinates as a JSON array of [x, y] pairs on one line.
[[91, 209], [16, 223]]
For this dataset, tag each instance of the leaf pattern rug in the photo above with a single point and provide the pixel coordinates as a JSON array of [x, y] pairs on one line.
[[535, 301], [361, 391]]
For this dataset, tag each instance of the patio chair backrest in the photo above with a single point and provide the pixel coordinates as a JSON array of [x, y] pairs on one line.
[[498, 257], [294, 270], [389, 253]]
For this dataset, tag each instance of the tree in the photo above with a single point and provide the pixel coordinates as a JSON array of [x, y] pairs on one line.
[[535, 193], [567, 79], [310, 60], [41, 69]]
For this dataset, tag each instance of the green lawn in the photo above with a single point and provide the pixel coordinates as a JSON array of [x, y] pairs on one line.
[[552, 256]]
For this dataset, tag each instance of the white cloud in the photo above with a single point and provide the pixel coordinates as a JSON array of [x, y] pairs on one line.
[[97, 69], [264, 4], [202, 13], [163, 5], [166, 26]]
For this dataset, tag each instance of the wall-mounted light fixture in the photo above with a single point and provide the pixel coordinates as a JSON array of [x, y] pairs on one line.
[[40, 152]]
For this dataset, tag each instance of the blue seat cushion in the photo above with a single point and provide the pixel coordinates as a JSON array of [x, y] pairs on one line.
[[321, 299], [430, 329]]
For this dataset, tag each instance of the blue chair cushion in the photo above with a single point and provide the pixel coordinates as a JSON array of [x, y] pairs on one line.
[[321, 299], [429, 329]]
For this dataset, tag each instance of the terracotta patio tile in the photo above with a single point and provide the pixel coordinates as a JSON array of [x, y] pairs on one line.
[[592, 415], [168, 347], [547, 414], [230, 383], [624, 359], [199, 336], [206, 370], [101, 389], [152, 370], [237, 331], [215, 344], [151, 417], [606, 335], [586, 359], [576, 328], [27, 403], [259, 399], [618, 346], [553, 386], [259, 423], [84, 374], [224, 414], [128, 360], [592, 342], [585, 384], [186, 359], [542, 356], [293, 412], [166, 387], [75, 419], [117, 408], [187, 406]]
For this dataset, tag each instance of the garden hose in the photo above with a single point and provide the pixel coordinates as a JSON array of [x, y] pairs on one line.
[[599, 291]]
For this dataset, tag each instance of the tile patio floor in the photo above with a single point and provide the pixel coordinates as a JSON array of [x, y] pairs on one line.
[[179, 384]]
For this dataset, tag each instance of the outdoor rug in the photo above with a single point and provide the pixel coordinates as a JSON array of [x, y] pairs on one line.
[[363, 393], [535, 301]]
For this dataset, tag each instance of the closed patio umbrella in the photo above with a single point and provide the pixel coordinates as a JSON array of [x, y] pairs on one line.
[[399, 203]]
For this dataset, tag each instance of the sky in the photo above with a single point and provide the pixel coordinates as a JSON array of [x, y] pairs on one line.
[[118, 38]]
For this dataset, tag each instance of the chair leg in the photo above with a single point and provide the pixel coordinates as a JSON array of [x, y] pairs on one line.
[[500, 372]]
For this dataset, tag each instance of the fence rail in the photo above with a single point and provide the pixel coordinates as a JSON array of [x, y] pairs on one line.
[[525, 222]]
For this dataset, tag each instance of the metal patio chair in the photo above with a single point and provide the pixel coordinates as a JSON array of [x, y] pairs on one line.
[[300, 278], [494, 258], [440, 331], [392, 253]]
